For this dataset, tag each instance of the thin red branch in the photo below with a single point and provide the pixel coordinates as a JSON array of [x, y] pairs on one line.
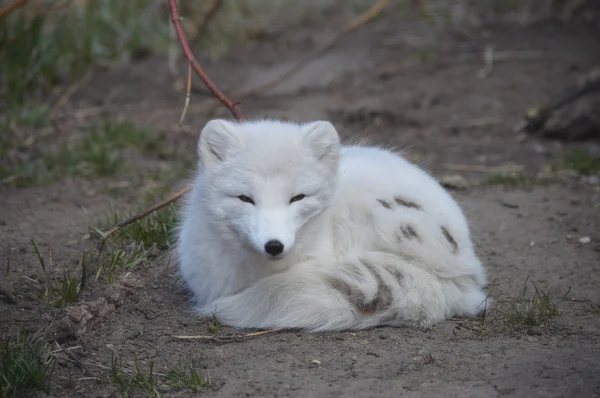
[[11, 7], [195, 65], [213, 89]]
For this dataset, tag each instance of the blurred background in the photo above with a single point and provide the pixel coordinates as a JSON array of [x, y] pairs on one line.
[[66, 63]]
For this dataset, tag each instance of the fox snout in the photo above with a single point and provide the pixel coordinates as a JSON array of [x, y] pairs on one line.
[[274, 247], [273, 234]]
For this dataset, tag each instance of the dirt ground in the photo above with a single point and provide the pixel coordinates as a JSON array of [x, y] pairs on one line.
[[448, 118]]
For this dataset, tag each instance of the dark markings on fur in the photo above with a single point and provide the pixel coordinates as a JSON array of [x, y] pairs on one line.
[[450, 239], [354, 272], [396, 273], [407, 203], [409, 232], [384, 203], [406, 232], [380, 302], [383, 297]]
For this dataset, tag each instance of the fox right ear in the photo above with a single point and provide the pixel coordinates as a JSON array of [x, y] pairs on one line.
[[218, 140]]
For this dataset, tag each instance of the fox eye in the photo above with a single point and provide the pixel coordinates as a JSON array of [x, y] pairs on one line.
[[297, 198], [246, 199]]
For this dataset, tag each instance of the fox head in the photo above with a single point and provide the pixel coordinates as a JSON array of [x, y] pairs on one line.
[[264, 181]]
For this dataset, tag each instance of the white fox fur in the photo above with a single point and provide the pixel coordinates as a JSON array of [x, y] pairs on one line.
[[372, 240]]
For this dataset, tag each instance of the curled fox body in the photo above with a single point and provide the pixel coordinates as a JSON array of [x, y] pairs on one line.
[[287, 228]]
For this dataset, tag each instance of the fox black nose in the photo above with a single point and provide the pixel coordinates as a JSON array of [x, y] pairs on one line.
[[274, 247]]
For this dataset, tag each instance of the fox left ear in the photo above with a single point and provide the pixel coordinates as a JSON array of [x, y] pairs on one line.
[[323, 139], [218, 140]]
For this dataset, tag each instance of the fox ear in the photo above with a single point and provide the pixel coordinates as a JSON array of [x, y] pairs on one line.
[[323, 139], [218, 140]]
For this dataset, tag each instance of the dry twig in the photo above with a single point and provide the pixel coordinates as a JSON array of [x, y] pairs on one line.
[[195, 65], [74, 358], [11, 7], [233, 337]]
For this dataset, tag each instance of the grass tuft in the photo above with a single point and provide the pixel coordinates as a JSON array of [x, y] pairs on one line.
[[65, 289], [214, 325], [508, 179], [119, 259], [536, 309], [583, 162], [142, 381], [136, 243], [187, 377], [152, 231], [102, 151], [26, 365], [137, 380], [43, 44]]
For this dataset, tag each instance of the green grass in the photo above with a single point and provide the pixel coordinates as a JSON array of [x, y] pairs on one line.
[[136, 243], [153, 231], [594, 308], [535, 309], [67, 288], [186, 377], [101, 151], [34, 115], [215, 326], [509, 179], [144, 380], [40, 47], [130, 382], [117, 259], [26, 365], [582, 161]]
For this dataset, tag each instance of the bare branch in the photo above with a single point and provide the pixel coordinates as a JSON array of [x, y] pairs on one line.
[[196, 66], [11, 7]]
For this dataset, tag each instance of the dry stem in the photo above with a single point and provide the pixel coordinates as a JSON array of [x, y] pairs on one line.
[[228, 338], [11, 7], [187, 95]]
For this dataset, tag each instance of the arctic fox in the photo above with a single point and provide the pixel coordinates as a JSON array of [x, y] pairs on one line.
[[287, 228]]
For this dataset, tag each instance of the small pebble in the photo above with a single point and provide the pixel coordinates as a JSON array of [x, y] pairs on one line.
[[315, 362], [454, 181], [535, 331], [585, 239]]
